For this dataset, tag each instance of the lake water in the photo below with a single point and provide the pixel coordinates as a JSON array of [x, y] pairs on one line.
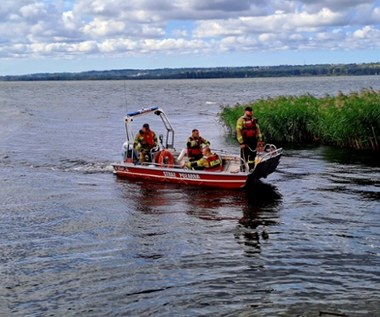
[[77, 241]]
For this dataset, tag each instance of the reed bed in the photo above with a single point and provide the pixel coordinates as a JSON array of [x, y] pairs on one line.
[[346, 120]]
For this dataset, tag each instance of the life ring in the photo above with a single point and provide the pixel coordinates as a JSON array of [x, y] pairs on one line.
[[166, 159]]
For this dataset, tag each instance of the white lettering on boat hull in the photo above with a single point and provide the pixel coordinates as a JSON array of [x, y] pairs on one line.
[[186, 175], [181, 175]]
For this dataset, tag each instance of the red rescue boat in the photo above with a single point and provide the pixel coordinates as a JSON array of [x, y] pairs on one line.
[[168, 164]]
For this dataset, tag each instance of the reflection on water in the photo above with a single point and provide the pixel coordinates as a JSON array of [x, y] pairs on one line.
[[347, 156], [352, 173], [261, 211], [253, 209], [245, 205], [262, 199]]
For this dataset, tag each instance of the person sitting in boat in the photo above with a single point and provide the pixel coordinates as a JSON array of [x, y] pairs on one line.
[[209, 160], [145, 141], [194, 145]]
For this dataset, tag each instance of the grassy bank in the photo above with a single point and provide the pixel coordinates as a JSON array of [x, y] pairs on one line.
[[346, 120]]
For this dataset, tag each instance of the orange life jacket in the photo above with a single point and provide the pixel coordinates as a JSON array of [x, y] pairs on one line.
[[147, 138]]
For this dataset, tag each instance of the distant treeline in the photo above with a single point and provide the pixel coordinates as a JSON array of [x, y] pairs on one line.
[[211, 72]]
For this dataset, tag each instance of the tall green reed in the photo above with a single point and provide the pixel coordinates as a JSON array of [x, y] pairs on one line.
[[346, 120]]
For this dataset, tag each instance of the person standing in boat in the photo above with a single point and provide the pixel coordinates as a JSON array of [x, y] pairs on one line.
[[209, 160], [194, 145], [249, 137], [145, 141]]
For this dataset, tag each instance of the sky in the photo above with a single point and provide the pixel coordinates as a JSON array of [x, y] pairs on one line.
[[49, 36]]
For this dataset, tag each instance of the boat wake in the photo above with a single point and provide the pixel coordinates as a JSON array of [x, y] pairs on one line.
[[20, 161], [82, 166], [69, 165], [90, 168]]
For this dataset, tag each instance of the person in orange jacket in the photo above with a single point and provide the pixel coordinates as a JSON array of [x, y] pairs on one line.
[[145, 141]]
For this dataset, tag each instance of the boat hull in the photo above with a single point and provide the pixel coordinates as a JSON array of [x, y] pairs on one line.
[[181, 176]]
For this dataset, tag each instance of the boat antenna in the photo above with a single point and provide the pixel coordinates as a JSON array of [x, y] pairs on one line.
[[125, 97]]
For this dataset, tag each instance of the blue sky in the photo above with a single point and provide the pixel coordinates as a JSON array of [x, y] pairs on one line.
[[79, 35]]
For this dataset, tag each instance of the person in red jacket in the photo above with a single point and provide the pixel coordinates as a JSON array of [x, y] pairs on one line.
[[194, 145], [249, 137], [145, 141]]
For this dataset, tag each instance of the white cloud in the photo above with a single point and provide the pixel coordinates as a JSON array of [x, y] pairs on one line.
[[375, 16], [367, 32], [32, 11], [101, 28], [125, 28]]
